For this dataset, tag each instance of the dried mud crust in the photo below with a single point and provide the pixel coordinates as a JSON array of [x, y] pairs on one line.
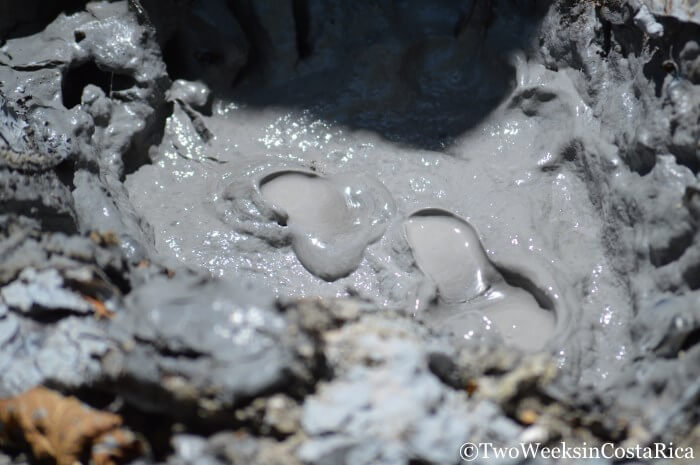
[[204, 369]]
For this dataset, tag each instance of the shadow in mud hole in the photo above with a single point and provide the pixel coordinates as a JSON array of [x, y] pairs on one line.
[[418, 73], [21, 18]]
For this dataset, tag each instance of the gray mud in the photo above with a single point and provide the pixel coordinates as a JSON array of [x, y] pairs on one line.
[[330, 232]]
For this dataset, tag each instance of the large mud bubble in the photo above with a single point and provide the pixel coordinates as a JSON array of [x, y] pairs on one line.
[[489, 210]]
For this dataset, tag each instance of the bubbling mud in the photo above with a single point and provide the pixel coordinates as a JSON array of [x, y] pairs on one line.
[[449, 252], [331, 221], [520, 175], [308, 203]]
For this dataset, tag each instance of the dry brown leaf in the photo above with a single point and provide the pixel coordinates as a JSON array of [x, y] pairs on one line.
[[64, 429], [101, 310]]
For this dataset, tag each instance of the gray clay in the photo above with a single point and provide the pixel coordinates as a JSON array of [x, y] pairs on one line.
[[332, 232]]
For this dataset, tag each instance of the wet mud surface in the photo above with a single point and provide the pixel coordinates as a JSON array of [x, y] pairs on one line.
[[353, 233]]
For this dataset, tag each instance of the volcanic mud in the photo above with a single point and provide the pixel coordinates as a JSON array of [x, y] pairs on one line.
[[330, 232]]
